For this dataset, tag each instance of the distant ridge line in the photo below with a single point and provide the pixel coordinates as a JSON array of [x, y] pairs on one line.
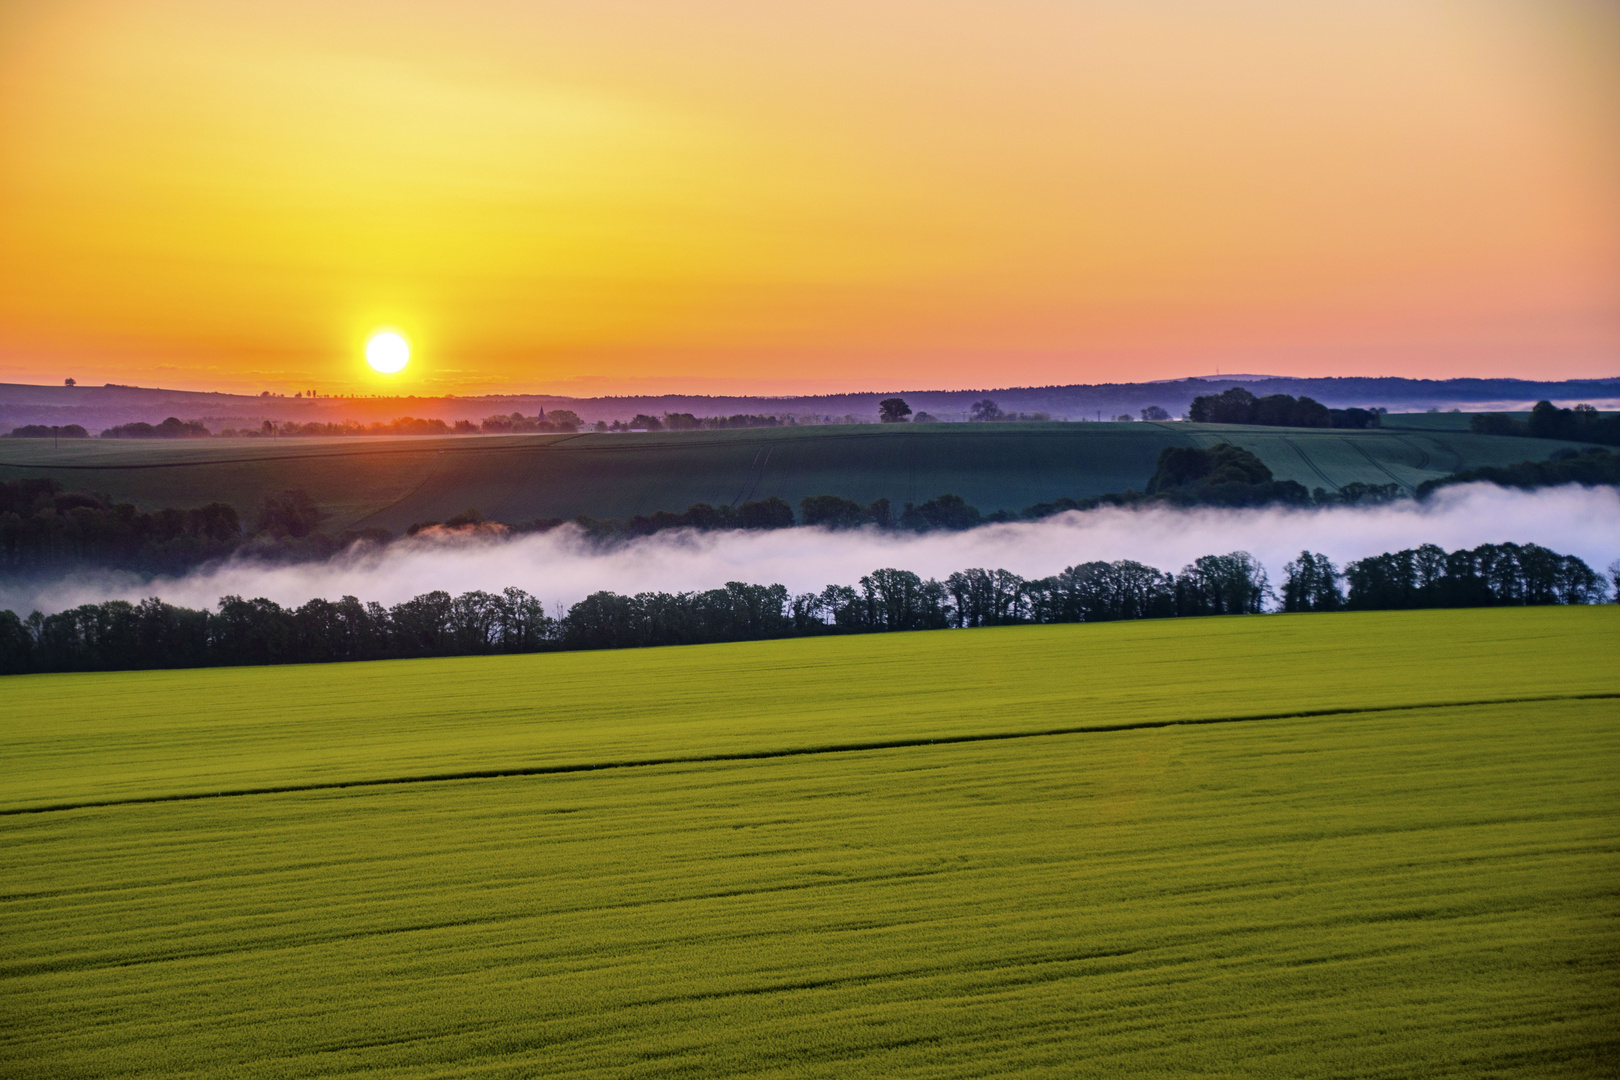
[[97, 408], [805, 751]]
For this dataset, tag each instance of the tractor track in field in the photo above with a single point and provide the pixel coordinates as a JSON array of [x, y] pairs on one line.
[[1403, 485], [756, 473], [803, 751], [1311, 463]]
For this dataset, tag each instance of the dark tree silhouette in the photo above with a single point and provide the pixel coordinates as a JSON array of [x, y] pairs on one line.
[[893, 410], [1311, 584]]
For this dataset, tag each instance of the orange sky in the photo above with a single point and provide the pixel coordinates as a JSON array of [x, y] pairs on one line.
[[724, 195]]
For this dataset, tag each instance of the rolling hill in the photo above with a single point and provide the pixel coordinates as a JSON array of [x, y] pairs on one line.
[[393, 483]]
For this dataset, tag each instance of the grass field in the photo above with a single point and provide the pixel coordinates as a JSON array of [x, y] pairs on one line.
[[1418, 888], [394, 483]]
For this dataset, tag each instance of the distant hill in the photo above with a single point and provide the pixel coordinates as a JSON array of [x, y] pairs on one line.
[[392, 483], [99, 407]]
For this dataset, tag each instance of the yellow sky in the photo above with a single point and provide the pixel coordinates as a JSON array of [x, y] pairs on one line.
[[710, 195]]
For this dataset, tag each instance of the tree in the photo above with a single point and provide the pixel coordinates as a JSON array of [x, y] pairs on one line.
[[172, 428], [843, 605], [1190, 466], [52, 431], [893, 411], [987, 597], [900, 600], [833, 512], [771, 513], [1311, 584], [943, 512], [985, 410], [1233, 584], [1154, 412], [16, 645], [1284, 410], [806, 613], [69, 382], [1548, 421], [1232, 406]]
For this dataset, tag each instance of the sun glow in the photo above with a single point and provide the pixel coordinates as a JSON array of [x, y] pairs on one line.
[[388, 352], [1030, 193]]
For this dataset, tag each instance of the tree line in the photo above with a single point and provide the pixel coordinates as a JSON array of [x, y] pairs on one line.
[[1491, 575], [42, 525], [172, 428], [680, 421], [48, 431], [118, 635], [1583, 423], [1590, 465], [1239, 406], [1223, 475]]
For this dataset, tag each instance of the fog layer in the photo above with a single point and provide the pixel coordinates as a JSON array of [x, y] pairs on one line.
[[561, 567]]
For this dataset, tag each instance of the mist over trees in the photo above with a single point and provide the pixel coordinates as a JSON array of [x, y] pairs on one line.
[[48, 431], [43, 526], [1591, 465], [690, 422], [119, 635], [172, 428]]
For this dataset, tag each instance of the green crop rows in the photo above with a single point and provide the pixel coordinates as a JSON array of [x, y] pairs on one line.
[[393, 483], [1418, 888]]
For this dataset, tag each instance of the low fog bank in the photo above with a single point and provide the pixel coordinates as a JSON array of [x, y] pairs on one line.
[[561, 567]]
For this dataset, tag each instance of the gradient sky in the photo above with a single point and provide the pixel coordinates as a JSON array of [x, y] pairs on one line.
[[725, 196]]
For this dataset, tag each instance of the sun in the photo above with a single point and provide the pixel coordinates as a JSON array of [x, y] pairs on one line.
[[388, 352]]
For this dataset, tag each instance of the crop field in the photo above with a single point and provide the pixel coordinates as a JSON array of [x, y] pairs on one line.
[[1379, 844], [393, 483]]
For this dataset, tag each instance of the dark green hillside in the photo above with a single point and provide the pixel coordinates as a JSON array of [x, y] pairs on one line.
[[991, 466], [392, 483]]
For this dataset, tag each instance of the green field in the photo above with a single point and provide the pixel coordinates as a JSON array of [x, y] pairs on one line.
[[392, 483], [1390, 850]]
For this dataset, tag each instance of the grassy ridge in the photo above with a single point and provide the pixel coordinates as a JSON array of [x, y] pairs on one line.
[[393, 483], [1422, 894], [75, 738]]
